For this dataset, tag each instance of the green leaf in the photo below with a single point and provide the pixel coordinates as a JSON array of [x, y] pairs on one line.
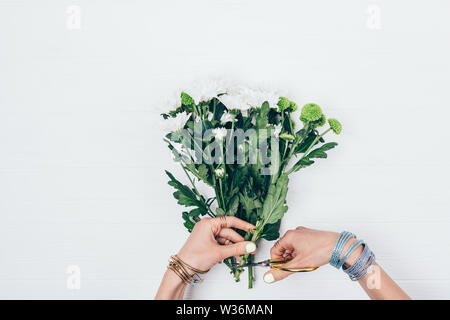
[[185, 195], [304, 145], [262, 117], [303, 163], [188, 223], [320, 152], [233, 206], [274, 206], [220, 212], [271, 231], [317, 153], [328, 146], [203, 172], [249, 203]]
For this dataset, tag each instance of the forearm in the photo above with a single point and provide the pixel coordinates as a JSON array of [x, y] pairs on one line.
[[377, 283], [171, 288], [379, 286]]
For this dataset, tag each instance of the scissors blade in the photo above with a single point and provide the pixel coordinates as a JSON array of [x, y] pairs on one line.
[[237, 265], [265, 263]]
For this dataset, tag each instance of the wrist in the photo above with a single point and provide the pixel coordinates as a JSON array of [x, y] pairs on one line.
[[173, 280], [172, 287]]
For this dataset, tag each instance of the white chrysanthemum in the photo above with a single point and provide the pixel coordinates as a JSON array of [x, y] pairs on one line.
[[210, 116], [227, 117], [206, 90], [219, 133], [235, 102], [277, 130], [243, 98], [220, 173], [175, 124]]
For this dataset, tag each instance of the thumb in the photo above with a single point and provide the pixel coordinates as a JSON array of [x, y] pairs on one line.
[[237, 249], [276, 275]]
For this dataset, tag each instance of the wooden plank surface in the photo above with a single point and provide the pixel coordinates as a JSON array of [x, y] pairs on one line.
[[82, 159]]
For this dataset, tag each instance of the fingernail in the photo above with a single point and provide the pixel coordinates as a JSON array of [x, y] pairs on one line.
[[250, 247], [268, 278]]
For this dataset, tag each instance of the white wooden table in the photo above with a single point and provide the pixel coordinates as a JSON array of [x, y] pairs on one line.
[[82, 184]]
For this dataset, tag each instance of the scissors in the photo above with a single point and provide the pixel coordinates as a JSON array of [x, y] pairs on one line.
[[276, 264]]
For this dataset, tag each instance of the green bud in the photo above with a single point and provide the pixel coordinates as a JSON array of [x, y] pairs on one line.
[[186, 99], [287, 136], [286, 104], [283, 104], [293, 106], [335, 125]]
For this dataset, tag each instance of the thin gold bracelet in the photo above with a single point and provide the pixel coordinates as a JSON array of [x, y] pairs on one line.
[[195, 270], [179, 267]]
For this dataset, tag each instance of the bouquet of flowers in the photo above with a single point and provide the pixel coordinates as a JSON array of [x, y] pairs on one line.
[[244, 145]]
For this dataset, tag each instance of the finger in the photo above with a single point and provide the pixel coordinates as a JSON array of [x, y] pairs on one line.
[[276, 275], [281, 246], [287, 255], [230, 234], [223, 241], [237, 249], [229, 221]]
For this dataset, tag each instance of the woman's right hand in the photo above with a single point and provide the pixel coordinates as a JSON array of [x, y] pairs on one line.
[[304, 248]]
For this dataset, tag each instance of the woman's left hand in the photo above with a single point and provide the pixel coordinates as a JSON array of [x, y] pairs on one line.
[[213, 240]]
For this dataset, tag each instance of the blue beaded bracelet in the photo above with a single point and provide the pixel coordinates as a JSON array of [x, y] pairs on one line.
[[360, 262], [348, 253], [339, 246], [363, 272], [361, 267]]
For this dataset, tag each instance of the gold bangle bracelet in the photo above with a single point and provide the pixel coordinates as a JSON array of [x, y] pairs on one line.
[[179, 267], [195, 270], [183, 277]]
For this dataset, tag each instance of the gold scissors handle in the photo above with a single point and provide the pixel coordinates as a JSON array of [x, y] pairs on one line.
[[277, 264]]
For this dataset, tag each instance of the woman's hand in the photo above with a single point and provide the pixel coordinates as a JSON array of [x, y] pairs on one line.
[[305, 247], [213, 240], [313, 248]]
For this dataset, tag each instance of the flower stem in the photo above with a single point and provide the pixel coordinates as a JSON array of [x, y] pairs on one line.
[[221, 195], [305, 154], [315, 140], [250, 272]]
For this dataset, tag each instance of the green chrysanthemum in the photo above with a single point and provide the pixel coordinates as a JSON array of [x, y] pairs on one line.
[[293, 106], [321, 121], [335, 125], [283, 104], [186, 99], [310, 112]]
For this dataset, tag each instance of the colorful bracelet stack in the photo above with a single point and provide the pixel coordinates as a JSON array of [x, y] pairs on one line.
[[360, 268], [181, 269]]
